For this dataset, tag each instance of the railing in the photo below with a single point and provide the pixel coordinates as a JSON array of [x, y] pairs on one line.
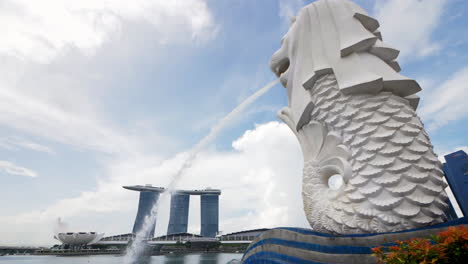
[[186, 238], [237, 238], [122, 238], [202, 239], [172, 238]]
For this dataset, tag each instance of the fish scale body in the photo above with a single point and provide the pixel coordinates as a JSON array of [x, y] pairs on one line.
[[396, 178]]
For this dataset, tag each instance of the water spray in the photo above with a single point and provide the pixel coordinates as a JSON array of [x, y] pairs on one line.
[[137, 249]]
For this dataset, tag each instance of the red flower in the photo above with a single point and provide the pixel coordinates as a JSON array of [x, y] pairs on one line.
[[377, 250], [448, 247], [394, 248]]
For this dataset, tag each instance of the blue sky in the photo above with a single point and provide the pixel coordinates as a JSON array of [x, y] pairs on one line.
[[96, 95]]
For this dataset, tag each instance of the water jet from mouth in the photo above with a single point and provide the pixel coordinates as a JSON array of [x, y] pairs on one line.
[[139, 251]]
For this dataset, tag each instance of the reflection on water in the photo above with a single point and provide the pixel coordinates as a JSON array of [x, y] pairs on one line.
[[212, 258]]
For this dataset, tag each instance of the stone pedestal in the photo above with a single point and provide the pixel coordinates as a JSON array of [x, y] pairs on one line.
[[297, 245]]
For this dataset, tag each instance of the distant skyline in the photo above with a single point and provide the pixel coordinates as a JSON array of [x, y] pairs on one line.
[[95, 95]]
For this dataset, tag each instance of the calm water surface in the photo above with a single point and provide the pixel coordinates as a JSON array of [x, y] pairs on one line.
[[221, 258]]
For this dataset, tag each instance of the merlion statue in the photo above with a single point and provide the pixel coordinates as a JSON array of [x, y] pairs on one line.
[[354, 116]]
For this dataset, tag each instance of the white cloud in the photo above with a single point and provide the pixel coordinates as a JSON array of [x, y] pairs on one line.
[[25, 113], [62, 100], [34, 146], [50, 91], [16, 143], [289, 8], [38, 30], [447, 102], [13, 169], [408, 25], [261, 178], [260, 181]]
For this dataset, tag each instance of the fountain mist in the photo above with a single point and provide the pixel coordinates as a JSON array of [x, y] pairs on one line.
[[136, 251]]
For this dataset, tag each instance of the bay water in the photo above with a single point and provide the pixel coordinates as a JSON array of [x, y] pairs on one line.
[[208, 258]]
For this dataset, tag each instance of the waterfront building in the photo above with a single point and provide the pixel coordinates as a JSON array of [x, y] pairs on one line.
[[187, 242], [78, 239], [179, 210], [209, 206], [149, 196], [245, 235], [121, 237], [456, 172], [178, 217]]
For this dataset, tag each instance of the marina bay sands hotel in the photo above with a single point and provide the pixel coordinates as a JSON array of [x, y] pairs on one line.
[[179, 210]]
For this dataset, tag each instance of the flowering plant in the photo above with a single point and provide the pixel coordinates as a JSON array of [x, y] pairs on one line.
[[450, 246]]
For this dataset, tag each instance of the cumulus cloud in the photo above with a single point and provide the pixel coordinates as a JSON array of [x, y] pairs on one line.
[[13, 169], [260, 179], [408, 25], [289, 8], [50, 88], [38, 30], [447, 102], [263, 174], [56, 59]]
